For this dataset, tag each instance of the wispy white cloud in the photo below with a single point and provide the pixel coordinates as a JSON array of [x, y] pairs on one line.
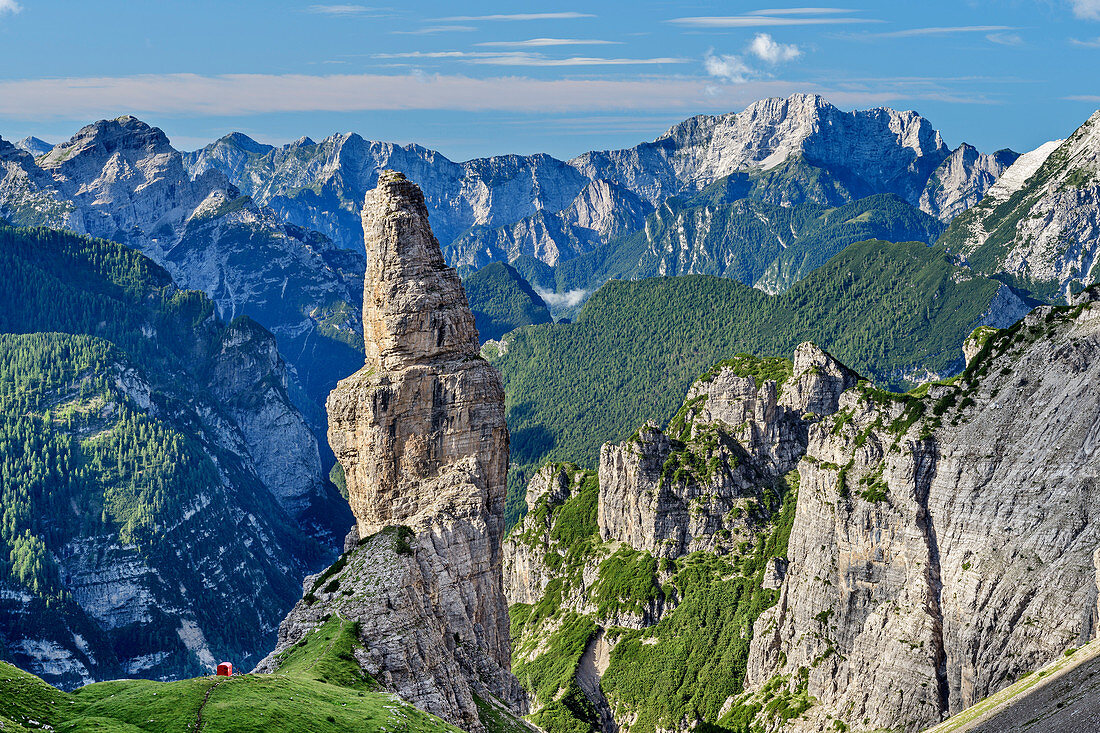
[[728, 67], [800, 11], [762, 21], [1006, 39], [1092, 98], [1086, 9], [542, 42], [196, 96], [433, 29], [345, 10], [517, 16], [943, 31], [518, 58], [766, 48], [9, 6], [1093, 43]]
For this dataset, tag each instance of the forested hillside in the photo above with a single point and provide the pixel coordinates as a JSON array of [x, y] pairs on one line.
[[129, 416], [894, 312], [502, 301]]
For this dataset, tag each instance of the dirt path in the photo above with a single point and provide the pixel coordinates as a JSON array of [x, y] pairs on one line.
[[209, 692]]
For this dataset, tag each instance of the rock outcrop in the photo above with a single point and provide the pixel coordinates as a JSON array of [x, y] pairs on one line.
[[944, 546], [670, 493], [962, 179], [703, 495], [420, 434]]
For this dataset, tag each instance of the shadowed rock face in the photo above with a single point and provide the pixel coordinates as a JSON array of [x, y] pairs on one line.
[[420, 433]]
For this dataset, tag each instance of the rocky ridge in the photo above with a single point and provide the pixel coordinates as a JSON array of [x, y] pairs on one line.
[[536, 206], [1041, 224], [420, 434]]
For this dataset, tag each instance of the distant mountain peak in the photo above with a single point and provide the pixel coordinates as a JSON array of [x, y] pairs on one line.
[[105, 137], [34, 146], [244, 142]]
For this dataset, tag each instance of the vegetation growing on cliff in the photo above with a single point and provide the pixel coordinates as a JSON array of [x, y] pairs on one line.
[[881, 308], [681, 670], [101, 361]]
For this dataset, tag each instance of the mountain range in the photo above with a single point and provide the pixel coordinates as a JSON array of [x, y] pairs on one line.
[[690, 511]]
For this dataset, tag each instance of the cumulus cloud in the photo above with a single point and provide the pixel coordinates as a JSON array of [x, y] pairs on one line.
[[765, 48], [1086, 9], [9, 6], [728, 66]]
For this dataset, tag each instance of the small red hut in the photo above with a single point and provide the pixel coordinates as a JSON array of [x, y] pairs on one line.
[[225, 669]]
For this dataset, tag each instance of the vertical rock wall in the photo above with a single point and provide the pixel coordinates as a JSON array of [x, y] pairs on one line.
[[420, 434]]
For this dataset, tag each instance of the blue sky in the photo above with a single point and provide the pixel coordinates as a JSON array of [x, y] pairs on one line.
[[485, 78]]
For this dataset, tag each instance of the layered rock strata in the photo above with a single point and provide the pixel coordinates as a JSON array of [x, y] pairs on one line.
[[944, 546], [420, 434]]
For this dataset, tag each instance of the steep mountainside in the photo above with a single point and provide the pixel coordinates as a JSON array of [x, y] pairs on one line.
[[154, 470], [801, 149], [502, 301], [1040, 228], [721, 231], [636, 346], [420, 434], [634, 591], [944, 542], [121, 180], [801, 551]]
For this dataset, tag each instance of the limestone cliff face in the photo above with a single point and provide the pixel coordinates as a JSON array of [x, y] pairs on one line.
[[672, 492], [711, 484], [944, 546], [420, 433]]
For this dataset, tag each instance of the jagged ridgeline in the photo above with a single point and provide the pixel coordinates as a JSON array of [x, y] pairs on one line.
[[146, 447], [897, 313], [634, 590]]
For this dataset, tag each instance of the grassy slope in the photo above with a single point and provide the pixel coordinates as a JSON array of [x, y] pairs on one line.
[[318, 688], [881, 308]]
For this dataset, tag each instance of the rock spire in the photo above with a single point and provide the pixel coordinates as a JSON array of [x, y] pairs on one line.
[[420, 434]]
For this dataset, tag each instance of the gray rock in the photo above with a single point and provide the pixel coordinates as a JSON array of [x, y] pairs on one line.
[[932, 567]]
